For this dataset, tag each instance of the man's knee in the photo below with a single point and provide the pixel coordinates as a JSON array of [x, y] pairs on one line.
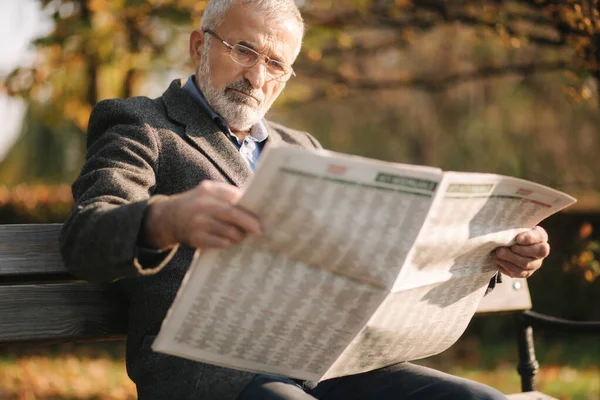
[[461, 389], [272, 387], [478, 391]]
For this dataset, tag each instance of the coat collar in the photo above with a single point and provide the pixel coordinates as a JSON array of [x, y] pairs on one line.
[[274, 138], [208, 137]]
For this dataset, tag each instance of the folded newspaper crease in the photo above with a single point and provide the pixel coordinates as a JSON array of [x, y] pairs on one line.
[[361, 264]]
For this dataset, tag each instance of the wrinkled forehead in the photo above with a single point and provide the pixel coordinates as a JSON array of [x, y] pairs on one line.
[[278, 37]]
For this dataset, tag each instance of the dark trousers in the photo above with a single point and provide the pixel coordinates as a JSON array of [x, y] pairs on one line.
[[403, 381]]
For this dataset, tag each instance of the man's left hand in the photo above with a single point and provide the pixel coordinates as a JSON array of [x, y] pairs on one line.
[[523, 258]]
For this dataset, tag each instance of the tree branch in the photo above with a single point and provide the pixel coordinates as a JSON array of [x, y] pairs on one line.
[[428, 83]]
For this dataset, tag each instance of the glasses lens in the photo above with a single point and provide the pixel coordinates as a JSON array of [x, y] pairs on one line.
[[244, 55], [277, 70], [248, 57]]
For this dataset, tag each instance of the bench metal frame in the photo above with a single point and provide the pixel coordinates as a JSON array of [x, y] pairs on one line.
[[528, 365]]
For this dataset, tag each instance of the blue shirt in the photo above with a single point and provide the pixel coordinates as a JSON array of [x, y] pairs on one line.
[[251, 146]]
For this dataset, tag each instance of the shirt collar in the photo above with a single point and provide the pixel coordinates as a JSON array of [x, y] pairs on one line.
[[258, 132]]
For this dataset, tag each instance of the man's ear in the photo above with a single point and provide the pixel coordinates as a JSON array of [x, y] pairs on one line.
[[196, 46]]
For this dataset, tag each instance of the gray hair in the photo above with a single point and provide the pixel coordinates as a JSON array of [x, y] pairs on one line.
[[216, 10]]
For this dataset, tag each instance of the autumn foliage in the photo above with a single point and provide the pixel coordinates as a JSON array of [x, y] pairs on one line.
[[586, 254], [24, 204], [108, 48]]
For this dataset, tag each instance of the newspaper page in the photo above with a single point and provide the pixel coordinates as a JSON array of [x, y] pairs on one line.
[[473, 214], [336, 231], [412, 324], [361, 264], [439, 288]]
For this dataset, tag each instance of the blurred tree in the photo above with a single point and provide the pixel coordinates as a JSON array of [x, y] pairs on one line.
[[499, 86], [485, 85], [345, 32], [96, 49], [109, 48]]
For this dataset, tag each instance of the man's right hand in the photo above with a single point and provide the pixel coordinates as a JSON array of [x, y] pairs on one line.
[[204, 217]]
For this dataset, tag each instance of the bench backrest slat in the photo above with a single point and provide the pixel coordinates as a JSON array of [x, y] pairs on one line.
[[510, 295], [30, 250], [61, 312], [35, 307]]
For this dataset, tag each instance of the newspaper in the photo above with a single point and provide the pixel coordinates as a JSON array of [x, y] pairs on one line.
[[361, 264]]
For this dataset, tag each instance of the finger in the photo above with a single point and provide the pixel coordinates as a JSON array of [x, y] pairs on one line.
[[225, 230], [505, 254], [205, 240], [536, 251], [240, 218], [512, 270], [228, 193], [204, 226], [533, 236]]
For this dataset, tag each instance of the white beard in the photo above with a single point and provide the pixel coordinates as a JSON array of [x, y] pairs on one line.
[[239, 111]]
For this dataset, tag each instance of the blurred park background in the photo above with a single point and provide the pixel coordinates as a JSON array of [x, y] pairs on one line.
[[503, 86]]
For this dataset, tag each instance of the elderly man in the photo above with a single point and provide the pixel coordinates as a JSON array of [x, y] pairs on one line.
[[162, 179]]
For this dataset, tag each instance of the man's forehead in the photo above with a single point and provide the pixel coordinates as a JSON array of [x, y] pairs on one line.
[[270, 45], [246, 25]]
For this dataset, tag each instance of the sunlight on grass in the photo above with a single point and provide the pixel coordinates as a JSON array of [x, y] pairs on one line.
[[562, 382], [71, 377], [97, 371], [64, 376], [568, 369]]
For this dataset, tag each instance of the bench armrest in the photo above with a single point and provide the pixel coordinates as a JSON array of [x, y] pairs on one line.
[[528, 365], [544, 321]]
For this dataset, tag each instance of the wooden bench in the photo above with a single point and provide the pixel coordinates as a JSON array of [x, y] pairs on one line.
[[41, 302]]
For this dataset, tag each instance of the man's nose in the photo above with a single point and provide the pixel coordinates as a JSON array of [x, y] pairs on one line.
[[256, 75]]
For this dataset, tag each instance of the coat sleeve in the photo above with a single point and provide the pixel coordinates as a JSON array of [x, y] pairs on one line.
[[99, 240]]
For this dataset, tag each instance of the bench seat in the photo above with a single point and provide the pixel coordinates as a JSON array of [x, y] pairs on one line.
[[530, 396]]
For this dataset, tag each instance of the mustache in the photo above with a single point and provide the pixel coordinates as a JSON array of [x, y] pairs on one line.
[[246, 87]]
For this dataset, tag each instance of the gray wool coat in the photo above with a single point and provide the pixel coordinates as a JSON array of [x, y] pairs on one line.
[[138, 149]]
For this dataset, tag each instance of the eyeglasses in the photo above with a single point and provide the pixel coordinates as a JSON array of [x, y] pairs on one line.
[[247, 57]]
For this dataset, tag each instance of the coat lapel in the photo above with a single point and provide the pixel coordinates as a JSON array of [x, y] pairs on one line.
[[206, 135], [274, 138]]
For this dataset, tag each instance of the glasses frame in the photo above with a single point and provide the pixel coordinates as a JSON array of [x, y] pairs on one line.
[[283, 78]]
